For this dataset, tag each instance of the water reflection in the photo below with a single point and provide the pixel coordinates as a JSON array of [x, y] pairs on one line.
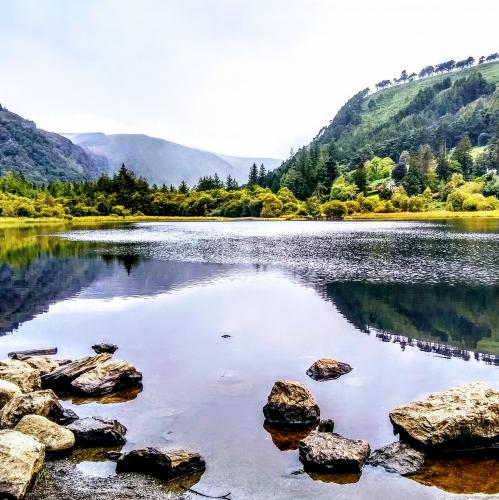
[[462, 316], [287, 439]]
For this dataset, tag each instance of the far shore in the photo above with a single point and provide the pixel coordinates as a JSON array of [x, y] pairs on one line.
[[20, 222]]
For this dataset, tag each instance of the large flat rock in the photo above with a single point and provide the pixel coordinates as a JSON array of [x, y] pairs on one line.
[[20, 373], [21, 458], [465, 417], [96, 431], [330, 452], [44, 403]]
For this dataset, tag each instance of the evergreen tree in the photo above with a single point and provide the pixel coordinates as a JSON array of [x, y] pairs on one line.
[[183, 188], [253, 176], [231, 183], [262, 173], [462, 154], [360, 178]]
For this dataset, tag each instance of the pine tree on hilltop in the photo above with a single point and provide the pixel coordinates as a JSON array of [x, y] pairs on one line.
[[262, 173]]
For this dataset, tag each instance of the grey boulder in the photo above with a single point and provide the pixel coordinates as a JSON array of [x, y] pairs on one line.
[[96, 431], [398, 457]]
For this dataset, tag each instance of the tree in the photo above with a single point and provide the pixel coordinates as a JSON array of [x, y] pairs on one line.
[[398, 172], [334, 209], [231, 183], [253, 176], [261, 175], [343, 190], [462, 154], [183, 188], [360, 178], [413, 182]]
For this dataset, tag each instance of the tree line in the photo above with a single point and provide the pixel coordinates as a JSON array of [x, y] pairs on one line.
[[443, 67]]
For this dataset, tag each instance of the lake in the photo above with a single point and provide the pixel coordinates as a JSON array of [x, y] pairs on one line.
[[411, 306]]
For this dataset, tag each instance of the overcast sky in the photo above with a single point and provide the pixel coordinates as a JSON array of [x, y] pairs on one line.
[[243, 77]]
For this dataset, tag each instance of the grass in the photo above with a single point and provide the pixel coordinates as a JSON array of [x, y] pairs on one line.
[[430, 215], [393, 99], [25, 222]]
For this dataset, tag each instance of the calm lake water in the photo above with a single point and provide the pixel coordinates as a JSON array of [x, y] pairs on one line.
[[413, 307]]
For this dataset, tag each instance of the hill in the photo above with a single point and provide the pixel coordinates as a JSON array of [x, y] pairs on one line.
[[437, 110], [42, 156], [164, 162]]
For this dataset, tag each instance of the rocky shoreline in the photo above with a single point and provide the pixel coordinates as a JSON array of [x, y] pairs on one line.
[[41, 442]]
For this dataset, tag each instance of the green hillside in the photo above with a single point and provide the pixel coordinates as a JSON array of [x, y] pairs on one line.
[[437, 111], [42, 156]]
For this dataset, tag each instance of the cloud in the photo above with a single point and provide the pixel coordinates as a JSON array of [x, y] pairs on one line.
[[245, 78]]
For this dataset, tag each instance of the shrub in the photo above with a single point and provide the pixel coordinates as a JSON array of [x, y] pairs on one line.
[[352, 206], [334, 209], [455, 200], [416, 203]]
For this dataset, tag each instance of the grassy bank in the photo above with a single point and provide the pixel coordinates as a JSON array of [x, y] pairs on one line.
[[19, 222]]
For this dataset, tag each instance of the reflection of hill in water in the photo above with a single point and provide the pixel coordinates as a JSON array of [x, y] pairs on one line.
[[37, 272], [426, 315]]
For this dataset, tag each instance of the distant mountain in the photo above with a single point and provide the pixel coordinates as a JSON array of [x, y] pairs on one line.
[[42, 156], [160, 161]]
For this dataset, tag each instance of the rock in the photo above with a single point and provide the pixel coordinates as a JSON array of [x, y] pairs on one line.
[[32, 352], [108, 377], [398, 457], [328, 369], [7, 391], [113, 455], [43, 364], [465, 417], [326, 425], [20, 373], [226, 336], [21, 458], [330, 452], [161, 464], [291, 404], [104, 347], [44, 403], [55, 437], [96, 431], [68, 416], [63, 376]]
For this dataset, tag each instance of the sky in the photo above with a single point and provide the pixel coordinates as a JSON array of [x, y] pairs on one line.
[[241, 77]]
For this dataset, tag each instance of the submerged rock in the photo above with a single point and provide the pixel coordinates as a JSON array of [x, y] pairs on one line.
[[330, 452], [21, 458], [97, 431], [398, 457], [291, 404], [326, 425], [105, 347], [161, 464], [44, 364], [328, 369], [7, 391], [55, 437], [44, 403], [68, 416], [63, 376], [465, 417], [107, 377], [20, 373]]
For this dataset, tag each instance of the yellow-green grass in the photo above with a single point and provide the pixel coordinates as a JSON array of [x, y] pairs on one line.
[[433, 214]]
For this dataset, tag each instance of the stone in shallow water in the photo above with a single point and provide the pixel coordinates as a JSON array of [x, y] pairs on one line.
[[398, 457], [161, 464], [465, 417], [330, 452], [326, 425], [68, 416], [53, 436], [62, 377], [328, 369], [20, 373], [107, 377], [21, 458], [290, 404], [44, 403], [105, 347], [97, 431]]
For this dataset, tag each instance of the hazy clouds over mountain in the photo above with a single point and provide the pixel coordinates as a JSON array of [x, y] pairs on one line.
[[160, 161]]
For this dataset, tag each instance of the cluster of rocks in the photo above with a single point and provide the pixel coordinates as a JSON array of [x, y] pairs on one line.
[[34, 425], [461, 419]]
